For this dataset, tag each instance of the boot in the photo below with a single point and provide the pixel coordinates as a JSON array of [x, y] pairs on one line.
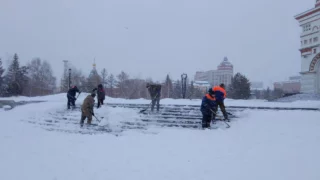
[[204, 122], [82, 121], [226, 118], [208, 125]]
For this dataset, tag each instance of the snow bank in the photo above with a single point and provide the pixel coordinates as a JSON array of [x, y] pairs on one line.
[[300, 97], [166, 101], [228, 102], [52, 98]]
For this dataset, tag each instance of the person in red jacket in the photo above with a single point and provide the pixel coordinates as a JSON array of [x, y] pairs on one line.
[[101, 94], [220, 94]]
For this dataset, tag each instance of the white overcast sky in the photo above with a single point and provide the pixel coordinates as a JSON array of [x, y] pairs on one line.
[[151, 38]]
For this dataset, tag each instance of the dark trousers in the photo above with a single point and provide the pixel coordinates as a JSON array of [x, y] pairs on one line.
[[71, 101], [206, 119], [100, 102], [222, 108], [84, 116], [154, 102]]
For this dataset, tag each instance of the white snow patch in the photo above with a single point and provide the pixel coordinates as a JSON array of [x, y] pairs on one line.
[[113, 117], [261, 145], [7, 107]]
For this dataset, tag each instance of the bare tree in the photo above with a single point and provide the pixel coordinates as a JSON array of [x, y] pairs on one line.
[[167, 90], [136, 88], [111, 81], [48, 80], [122, 79], [177, 90], [104, 77], [41, 79], [1, 78], [79, 80]]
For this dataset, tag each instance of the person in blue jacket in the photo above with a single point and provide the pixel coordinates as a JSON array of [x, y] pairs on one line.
[[208, 106], [71, 95]]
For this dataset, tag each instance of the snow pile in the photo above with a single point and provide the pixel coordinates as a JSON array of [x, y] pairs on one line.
[[114, 117], [300, 97]]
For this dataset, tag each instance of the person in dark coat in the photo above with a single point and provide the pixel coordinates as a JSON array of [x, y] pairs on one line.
[[208, 107], [101, 95], [220, 94], [155, 94], [71, 95]]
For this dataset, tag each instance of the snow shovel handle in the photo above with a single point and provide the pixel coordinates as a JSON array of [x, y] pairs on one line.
[[213, 111], [96, 118]]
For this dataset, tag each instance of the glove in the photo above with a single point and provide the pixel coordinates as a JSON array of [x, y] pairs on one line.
[[92, 114]]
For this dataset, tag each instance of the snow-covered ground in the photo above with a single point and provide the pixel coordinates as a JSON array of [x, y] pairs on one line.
[[264, 145]]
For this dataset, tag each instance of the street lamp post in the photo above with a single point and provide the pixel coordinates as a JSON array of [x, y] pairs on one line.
[[69, 78], [184, 85]]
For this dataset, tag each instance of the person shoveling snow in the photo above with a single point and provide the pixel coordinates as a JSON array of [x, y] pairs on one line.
[[87, 109]]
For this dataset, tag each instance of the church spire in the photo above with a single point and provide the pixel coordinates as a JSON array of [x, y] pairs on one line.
[[94, 63]]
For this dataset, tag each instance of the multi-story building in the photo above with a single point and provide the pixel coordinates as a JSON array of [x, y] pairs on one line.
[[256, 90], [293, 85], [223, 74], [255, 85], [201, 76], [309, 22], [203, 86]]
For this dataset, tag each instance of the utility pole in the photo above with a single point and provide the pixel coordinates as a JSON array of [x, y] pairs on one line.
[[64, 82]]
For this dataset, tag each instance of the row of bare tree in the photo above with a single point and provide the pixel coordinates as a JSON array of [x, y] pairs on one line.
[[34, 79], [122, 86]]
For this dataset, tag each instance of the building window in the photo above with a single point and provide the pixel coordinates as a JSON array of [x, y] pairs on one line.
[[315, 39], [305, 41], [314, 51], [307, 27], [310, 41]]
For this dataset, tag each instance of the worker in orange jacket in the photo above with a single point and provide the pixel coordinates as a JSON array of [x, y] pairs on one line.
[[220, 94], [208, 106]]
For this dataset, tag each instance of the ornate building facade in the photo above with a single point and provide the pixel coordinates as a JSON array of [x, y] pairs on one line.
[[309, 22]]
